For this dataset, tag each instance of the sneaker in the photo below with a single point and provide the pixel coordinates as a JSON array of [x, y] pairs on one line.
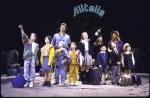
[[71, 84], [31, 84], [76, 84], [27, 84], [60, 84]]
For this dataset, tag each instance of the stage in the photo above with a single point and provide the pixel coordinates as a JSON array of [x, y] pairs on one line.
[[74, 91]]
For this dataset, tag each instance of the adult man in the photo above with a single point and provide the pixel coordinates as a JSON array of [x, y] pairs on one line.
[[61, 36]]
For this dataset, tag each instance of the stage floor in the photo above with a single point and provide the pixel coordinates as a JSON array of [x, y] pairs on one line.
[[74, 91]]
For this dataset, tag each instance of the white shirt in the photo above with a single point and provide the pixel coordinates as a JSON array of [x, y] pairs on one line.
[[86, 45], [33, 47]]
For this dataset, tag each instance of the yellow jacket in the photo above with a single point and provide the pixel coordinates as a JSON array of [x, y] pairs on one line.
[[51, 55]]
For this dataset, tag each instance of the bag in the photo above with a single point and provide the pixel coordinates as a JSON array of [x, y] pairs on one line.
[[41, 73], [21, 71], [126, 81], [12, 72], [90, 79], [94, 76], [12, 57], [18, 82], [136, 79]]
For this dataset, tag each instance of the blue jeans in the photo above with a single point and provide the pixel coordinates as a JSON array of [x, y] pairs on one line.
[[29, 69], [60, 69], [115, 70]]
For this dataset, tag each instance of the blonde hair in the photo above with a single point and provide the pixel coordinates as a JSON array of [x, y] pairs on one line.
[[82, 36], [118, 37], [126, 45]]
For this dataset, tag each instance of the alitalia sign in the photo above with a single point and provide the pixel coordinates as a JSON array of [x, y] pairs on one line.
[[86, 8]]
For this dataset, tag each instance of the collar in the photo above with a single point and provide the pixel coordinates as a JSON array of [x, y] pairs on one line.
[[63, 34]]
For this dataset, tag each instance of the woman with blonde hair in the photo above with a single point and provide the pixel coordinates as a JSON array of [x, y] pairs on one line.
[[116, 39]]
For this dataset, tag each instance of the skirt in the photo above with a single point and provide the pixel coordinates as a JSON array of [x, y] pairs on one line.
[[45, 63], [87, 59]]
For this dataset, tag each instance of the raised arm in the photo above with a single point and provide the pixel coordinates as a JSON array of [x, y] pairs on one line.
[[21, 28]]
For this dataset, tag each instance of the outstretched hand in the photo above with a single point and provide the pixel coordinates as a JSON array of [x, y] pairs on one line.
[[20, 26], [99, 30]]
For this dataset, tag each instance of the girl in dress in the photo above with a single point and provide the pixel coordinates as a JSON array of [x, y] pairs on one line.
[[47, 55], [127, 59]]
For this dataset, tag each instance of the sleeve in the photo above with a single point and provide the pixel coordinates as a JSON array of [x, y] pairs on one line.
[[113, 60], [68, 42], [81, 59], [24, 37], [122, 58], [93, 39], [69, 53], [67, 60], [121, 45], [98, 59], [80, 48], [133, 60], [109, 44], [51, 56], [36, 51], [107, 59], [41, 58], [53, 41]]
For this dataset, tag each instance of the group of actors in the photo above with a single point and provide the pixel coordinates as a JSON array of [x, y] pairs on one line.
[[59, 52]]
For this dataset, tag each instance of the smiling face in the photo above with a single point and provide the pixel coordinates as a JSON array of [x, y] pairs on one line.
[[113, 45], [114, 35], [84, 35], [62, 28]]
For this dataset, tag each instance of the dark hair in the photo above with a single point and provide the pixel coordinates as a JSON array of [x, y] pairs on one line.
[[74, 44], [64, 25], [49, 37], [35, 36], [103, 45]]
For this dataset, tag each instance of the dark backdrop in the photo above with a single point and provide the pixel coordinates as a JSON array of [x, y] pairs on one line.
[[43, 17]]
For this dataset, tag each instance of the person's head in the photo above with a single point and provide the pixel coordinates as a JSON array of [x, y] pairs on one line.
[[84, 35], [61, 44], [99, 39], [47, 39], [115, 35], [33, 37], [112, 45], [63, 27], [103, 48], [73, 45], [126, 47]]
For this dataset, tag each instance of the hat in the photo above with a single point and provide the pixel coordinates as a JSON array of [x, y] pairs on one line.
[[115, 32]]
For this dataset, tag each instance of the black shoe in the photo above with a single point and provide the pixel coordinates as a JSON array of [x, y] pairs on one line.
[[83, 82], [118, 83], [113, 83], [56, 83], [48, 84], [44, 84]]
